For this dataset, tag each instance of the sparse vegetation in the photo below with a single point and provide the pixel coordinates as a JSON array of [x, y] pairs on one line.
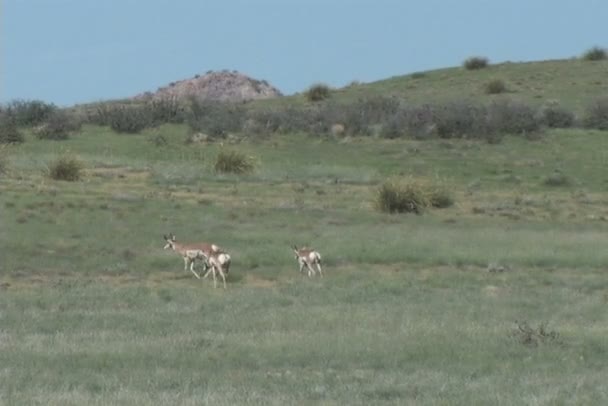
[[28, 113], [476, 63], [231, 161], [318, 92], [595, 54], [128, 119], [67, 167]]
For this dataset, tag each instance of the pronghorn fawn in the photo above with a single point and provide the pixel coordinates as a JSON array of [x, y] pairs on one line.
[[192, 252], [307, 258], [219, 262]]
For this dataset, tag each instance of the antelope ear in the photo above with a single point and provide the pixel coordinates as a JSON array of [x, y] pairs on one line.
[[172, 237], [165, 237], [295, 247]]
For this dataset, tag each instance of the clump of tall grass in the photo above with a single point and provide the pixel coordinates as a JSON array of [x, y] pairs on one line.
[[495, 86], [410, 195], [475, 63], [234, 162], [595, 54], [317, 92], [67, 167]]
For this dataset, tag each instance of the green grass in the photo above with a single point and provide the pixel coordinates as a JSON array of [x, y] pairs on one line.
[[94, 311]]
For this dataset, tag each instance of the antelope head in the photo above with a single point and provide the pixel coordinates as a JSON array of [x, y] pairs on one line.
[[170, 240]]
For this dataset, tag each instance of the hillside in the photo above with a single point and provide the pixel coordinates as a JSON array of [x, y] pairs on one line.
[[221, 85], [572, 82]]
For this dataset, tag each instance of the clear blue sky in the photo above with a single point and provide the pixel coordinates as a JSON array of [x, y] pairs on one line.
[[72, 51]]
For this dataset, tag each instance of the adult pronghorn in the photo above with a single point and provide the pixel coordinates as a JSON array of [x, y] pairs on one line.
[[308, 257], [219, 262], [191, 252]]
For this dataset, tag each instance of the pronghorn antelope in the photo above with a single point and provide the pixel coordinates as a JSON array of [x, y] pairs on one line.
[[192, 252], [307, 258], [218, 262]]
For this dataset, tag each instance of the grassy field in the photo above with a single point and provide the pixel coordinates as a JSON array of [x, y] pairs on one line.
[[571, 82], [94, 311]]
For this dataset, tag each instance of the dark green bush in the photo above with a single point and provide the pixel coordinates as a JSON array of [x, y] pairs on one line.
[[58, 126], [28, 113], [318, 92], [129, 119], [67, 167], [234, 162], [475, 63], [595, 54], [215, 118], [495, 86], [555, 116], [459, 119], [596, 114], [510, 117], [9, 131], [165, 110]]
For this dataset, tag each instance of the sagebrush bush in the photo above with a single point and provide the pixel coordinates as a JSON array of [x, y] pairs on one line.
[[28, 113], [163, 110], [66, 167], [420, 122], [215, 118], [475, 62], [4, 159], [554, 116], [234, 162], [129, 119], [595, 115], [318, 92], [510, 117], [595, 54], [398, 195], [9, 131], [495, 86], [459, 119], [58, 126]]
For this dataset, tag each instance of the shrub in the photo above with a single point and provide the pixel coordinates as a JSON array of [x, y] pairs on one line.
[[459, 119], [495, 86], [233, 162], [9, 132], [67, 167], [317, 92], [475, 63], [58, 126], [129, 119], [215, 118], [411, 196], [596, 114], [394, 127], [30, 112], [527, 335], [509, 117], [164, 110], [420, 122], [595, 54], [554, 116], [556, 179], [4, 159]]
